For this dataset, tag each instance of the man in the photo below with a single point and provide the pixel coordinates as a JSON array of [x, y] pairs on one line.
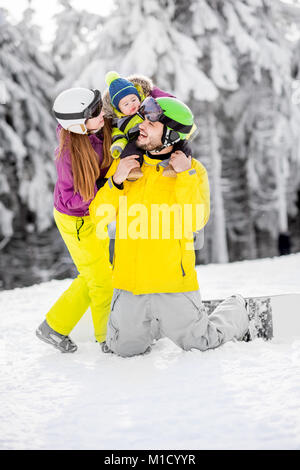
[[155, 280]]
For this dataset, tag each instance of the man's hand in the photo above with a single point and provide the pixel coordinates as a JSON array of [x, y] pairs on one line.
[[180, 162], [124, 168]]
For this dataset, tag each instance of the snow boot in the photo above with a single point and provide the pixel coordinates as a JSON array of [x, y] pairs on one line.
[[61, 342], [247, 335], [105, 348], [241, 299]]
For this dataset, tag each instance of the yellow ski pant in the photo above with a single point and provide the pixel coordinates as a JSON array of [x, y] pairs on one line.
[[93, 285]]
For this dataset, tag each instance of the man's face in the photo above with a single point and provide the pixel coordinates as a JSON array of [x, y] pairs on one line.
[[150, 135]]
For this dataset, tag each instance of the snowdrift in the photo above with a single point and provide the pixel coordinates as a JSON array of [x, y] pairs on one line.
[[239, 396]]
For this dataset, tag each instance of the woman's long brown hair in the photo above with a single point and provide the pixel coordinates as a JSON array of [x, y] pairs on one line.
[[107, 141], [85, 160]]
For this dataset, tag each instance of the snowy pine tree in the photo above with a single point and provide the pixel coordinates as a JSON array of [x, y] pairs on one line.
[[26, 130], [74, 37], [262, 122], [248, 59], [139, 37], [229, 60]]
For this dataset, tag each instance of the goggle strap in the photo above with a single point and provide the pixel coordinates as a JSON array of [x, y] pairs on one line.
[[69, 116], [167, 142], [175, 125], [140, 115]]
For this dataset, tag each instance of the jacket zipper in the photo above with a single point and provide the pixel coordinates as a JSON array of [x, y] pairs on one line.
[[181, 260], [113, 262], [138, 249]]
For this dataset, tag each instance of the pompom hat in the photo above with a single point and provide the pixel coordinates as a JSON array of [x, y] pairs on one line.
[[119, 88]]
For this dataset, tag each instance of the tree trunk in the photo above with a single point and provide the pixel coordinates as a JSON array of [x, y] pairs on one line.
[[219, 244]]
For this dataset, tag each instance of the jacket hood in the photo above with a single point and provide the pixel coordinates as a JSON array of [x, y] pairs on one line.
[[143, 85]]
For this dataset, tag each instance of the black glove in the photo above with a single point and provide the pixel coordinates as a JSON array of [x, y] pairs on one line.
[[133, 133], [132, 149], [100, 182]]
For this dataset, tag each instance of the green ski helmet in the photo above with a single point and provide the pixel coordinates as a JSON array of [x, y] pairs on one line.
[[177, 118]]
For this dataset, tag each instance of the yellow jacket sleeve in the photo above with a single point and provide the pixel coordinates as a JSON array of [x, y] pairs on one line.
[[104, 208], [192, 193]]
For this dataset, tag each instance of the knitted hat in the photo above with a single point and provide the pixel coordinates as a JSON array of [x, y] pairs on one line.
[[118, 88]]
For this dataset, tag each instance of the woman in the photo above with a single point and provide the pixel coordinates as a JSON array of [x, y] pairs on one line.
[[82, 159]]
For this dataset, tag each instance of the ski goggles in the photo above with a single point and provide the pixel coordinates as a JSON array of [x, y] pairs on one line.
[[91, 111], [95, 108], [150, 110]]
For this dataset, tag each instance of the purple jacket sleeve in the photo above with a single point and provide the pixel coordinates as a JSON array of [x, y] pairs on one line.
[[65, 178], [158, 93], [70, 199]]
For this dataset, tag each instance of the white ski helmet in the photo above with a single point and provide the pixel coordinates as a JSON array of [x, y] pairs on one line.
[[73, 107]]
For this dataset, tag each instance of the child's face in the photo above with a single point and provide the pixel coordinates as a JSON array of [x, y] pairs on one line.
[[129, 105]]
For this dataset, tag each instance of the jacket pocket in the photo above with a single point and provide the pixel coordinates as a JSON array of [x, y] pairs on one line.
[[114, 259], [181, 260]]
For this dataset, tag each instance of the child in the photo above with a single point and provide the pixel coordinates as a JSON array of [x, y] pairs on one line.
[[121, 103]]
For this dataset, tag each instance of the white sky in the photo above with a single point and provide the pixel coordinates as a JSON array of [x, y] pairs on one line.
[[46, 10]]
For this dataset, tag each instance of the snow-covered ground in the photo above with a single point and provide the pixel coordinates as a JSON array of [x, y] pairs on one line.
[[240, 396]]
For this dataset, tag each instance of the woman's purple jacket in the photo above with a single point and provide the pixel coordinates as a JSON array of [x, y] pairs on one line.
[[65, 199]]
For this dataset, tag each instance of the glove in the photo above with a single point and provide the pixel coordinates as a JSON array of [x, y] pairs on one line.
[[100, 182]]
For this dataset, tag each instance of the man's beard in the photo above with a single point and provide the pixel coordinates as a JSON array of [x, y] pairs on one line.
[[151, 147]]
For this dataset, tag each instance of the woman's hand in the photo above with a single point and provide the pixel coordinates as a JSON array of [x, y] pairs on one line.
[[180, 162], [95, 124], [124, 168]]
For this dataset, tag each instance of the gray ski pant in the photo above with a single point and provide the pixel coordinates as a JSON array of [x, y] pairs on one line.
[[136, 320]]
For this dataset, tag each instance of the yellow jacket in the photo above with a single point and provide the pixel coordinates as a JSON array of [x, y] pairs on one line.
[[153, 250]]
